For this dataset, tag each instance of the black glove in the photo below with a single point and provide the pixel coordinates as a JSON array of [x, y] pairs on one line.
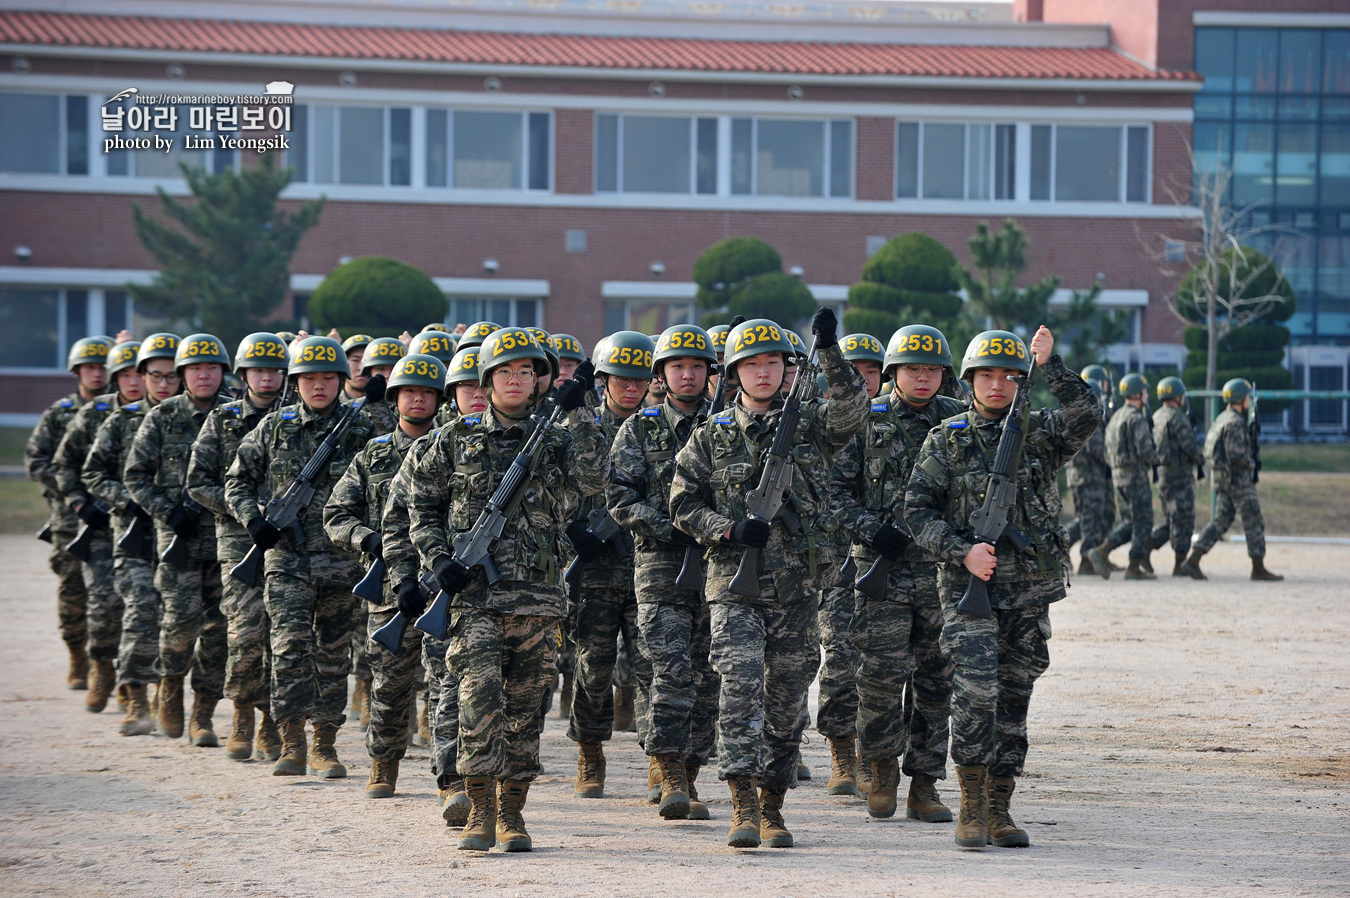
[[751, 532], [374, 388], [90, 514], [680, 538], [134, 509], [452, 575], [826, 327], [571, 395], [373, 545], [410, 599], [585, 374], [589, 546], [184, 523], [889, 541], [265, 536]]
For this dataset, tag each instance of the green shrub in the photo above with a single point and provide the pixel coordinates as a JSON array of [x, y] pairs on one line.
[[869, 321], [913, 261], [773, 295], [722, 267], [880, 297], [375, 295]]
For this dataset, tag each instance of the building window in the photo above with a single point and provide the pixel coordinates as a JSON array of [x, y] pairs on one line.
[[1090, 163], [505, 312], [655, 154], [488, 150], [646, 316], [169, 123], [370, 145], [792, 157], [937, 160], [44, 133], [38, 325]]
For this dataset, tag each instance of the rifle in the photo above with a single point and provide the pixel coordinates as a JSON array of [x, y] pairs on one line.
[[1254, 428], [138, 541], [765, 501], [873, 583], [391, 634], [604, 528], [991, 520], [176, 554], [849, 569], [45, 534], [371, 587], [474, 546], [1195, 425], [1149, 419], [79, 546], [283, 512]]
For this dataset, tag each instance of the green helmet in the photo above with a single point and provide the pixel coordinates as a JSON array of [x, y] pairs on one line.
[[356, 341], [917, 344], [287, 336], [753, 337], [436, 326], [1096, 374], [318, 355], [261, 350], [545, 342], [1133, 385], [568, 347], [156, 346], [684, 341], [508, 344], [88, 351], [1236, 390], [384, 351], [477, 333], [1171, 388], [995, 349], [627, 354], [798, 347], [862, 348], [121, 357], [718, 334], [433, 343], [463, 368], [417, 371], [202, 349]]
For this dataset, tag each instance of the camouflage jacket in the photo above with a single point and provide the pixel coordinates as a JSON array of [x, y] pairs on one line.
[[1228, 449], [102, 472], [450, 485], [212, 454], [41, 450], [270, 459], [400, 555], [612, 571], [382, 415], [1090, 467], [68, 462], [156, 469], [1129, 446], [1174, 440], [952, 472], [641, 469], [723, 461]]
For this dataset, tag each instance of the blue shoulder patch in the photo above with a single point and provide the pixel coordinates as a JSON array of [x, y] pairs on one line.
[[651, 411], [67, 403], [473, 420], [132, 407], [723, 419], [959, 424], [231, 410], [384, 439], [880, 407], [101, 406], [288, 413]]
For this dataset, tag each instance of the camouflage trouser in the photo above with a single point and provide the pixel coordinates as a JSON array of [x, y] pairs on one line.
[[996, 663], [1096, 511], [928, 697], [838, 714], [762, 654], [393, 687], [1236, 499], [623, 663], [1178, 515], [311, 646], [138, 650], [504, 663], [248, 663], [600, 616], [191, 627], [103, 606], [71, 595], [361, 644], [567, 655], [1135, 504], [675, 641], [442, 709]]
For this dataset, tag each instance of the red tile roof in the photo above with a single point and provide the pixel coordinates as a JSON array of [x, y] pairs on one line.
[[571, 51]]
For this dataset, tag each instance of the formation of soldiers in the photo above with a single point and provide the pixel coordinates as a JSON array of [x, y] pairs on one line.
[[676, 521]]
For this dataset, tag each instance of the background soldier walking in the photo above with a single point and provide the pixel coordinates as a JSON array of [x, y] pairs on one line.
[[1094, 501], [1130, 450], [1179, 453]]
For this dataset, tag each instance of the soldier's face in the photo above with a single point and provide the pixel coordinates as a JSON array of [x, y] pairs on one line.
[[417, 402], [763, 375], [203, 381], [685, 377], [320, 390], [626, 392], [354, 357], [566, 368], [382, 370], [513, 385], [130, 384], [264, 382], [162, 378], [918, 382], [92, 377], [995, 387], [789, 377], [470, 398], [871, 372]]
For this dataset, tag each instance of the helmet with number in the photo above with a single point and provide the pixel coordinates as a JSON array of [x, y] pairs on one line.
[[88, 351], [684, 341], [356, 341], [433, 343], [568, 347], [862, 348], [436, 326], [384, 351], [121, 357], [508, 344], [754, 337], [417, 371], [718, 334], [463, 368], [156, 346], [1171, 388], [1133, 385], [1236, 390], [798, 347], [477, 333], [288, 336], [261, 350], [917, 344], [545, 342], [995, 349], [1096, 374], [318, 355], [627, 354], [202, 349]]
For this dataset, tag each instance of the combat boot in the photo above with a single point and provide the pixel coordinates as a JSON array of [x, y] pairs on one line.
[[1259, 571], [479, 833], [267, 746], [424, 725], [323, 759], [383, 779], [361, 703], [123, 697], [239, 744], [138, 721], [803, 770], [565, 697], [972, 826], [1085, 565], [455, 804], [1003, 833], [623, 710], [171, 706], [511, 834], [843, 766], [1147, 564], [884, 795], [654, 776], [291, 762], [1101, 560], [697, 809], [924, 803], [101, 686], [745, 818], [201, 732], [1136, 571], [77, 677], [1191, 566], [674, 790], [1179, 566], [590, 770], [773, 832]]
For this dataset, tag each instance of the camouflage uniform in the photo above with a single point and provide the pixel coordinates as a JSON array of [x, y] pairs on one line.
[[383, 418], [71, 595], [1129, 449], [898, 638], [996, 661], [764, 648], [503, 638], [1174, 440], [672, 623], [192, 634], [1093, 498], [1228, 453], [307, 588]]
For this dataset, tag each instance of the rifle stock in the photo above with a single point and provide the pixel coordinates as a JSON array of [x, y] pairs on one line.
[[390, 636], [371, 587], [176, 553], [138, 541], [247, 570], [45, 534], [79, 546]]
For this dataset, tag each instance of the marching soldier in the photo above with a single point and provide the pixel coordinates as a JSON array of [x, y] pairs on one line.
[[1130, 450], [1174, 439], [465, 394], [570, 354], [355, 348], [377, 361], [1094, 501]]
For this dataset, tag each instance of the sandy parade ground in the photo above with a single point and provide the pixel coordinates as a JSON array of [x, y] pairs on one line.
[[1188, 739]]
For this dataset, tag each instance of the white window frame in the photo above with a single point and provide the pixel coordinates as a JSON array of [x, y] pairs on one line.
[[96, 311], [1122, 187], [826, 174], [515, 302], [622, 117], [421, 129]]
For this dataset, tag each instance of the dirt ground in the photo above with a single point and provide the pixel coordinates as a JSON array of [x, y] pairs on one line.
[[1188, 739]]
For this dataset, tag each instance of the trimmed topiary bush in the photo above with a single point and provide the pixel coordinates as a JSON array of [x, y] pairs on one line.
[[773, 295], [722, 268], [375, 295], [912, 279]]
